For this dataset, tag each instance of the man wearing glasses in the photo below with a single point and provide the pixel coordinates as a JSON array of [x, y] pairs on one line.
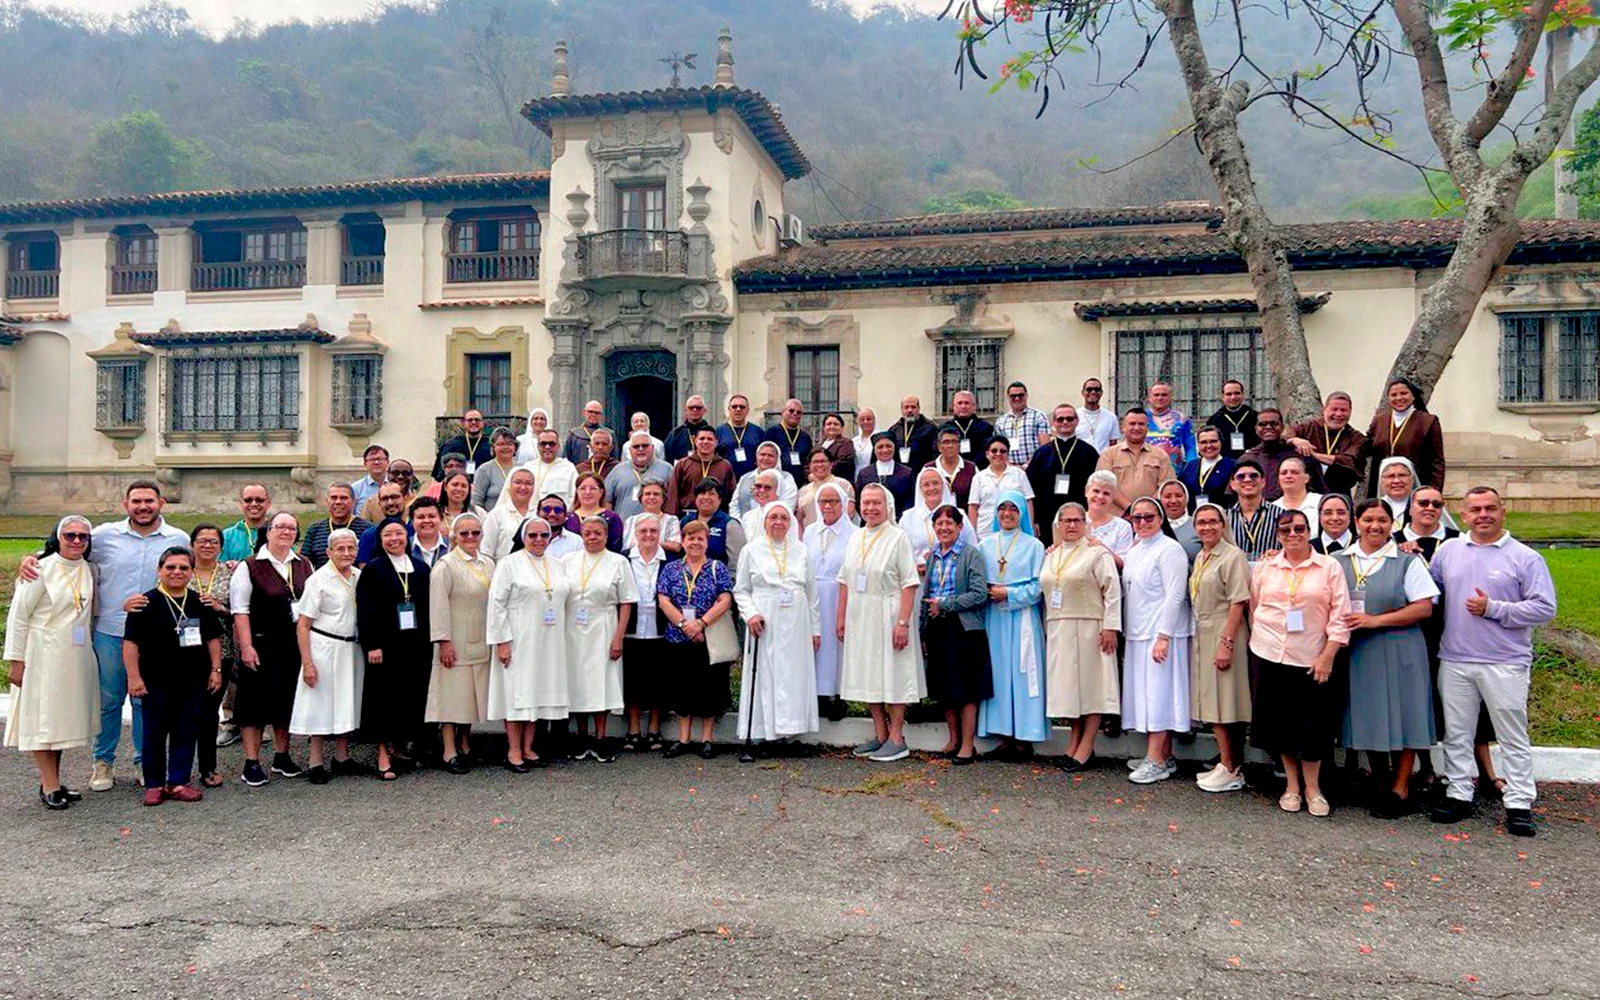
[[562, 542], [1025, 427], [1333, 444], [376, 461], [401, 475], [1096, 426], [577, 447], [1061, 469], [1254, 521], [552, 473], [1273, 449], [681, 441], [737, 439], [239, 541], [471, 442]]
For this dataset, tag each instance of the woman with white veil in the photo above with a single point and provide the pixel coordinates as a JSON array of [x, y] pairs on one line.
[[827, 541], [777, 596]]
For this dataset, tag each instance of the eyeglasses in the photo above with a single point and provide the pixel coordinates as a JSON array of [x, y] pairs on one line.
[[1294, 529], [1066, 420], [400, 473], [467, 533], [1092, 388], [737, 406], [696, 406], [75, 536], [1070, 520], [1142, 518], [552, 510], [1246, 477], [538, 534], [254, 501], [1016, 395], [1428, 503]]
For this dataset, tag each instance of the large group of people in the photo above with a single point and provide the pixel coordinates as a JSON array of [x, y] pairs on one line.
[[1151, 572]]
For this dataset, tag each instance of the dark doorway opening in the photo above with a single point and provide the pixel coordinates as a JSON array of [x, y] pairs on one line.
[[642, 381]]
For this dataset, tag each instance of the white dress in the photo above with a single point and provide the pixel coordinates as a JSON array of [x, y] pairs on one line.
[[600, 583], [50, 629], [872, 670], [987, 489], [500, 530], [332, 707], [776, 582], [826, 545], [528, 608], [1155, 602]]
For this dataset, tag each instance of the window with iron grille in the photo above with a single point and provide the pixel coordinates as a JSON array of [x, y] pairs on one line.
[[119, 394], [1550, 357], [972, 365], [233, 392], [1195, 362], [357, 389], [489, 382], [814, 378]]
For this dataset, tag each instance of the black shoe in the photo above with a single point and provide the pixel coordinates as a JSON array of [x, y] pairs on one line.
[[70, 795], [577, 748], [1388, 805], [536, 763], [749, 753], [348, 767], [516, 768], [253, 775], [654, 741], [836, 709], [1449, 810], [55, 800], [673, 749], [630, 743], [708, 751], [603, 751], [1111, 725], [318, 775], [455, 765], [1071, 765], [284, 766], [1519, 823]]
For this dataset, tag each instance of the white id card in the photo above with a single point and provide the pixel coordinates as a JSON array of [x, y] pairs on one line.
[[1358, 602], [690, 614], [1063, 485], [965, 447], [794, 457], [472, 467], [581, 616], [550, 616], [861, 583], [294, 613], [786, 598], [1236, 441], [1055, 600], [408, 616], [188, 632], [1294, 620], [738, 455], [80, 635], [633, 494], [905, 456]]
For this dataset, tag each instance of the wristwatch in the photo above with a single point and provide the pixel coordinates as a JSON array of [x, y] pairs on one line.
[[903, 623]]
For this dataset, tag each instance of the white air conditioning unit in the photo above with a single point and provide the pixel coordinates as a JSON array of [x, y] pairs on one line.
[[794, 231]]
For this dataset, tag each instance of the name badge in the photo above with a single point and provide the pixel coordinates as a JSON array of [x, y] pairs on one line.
[[786, 598], [294, 613], [794, 457], [1358, 601], [581, 616], [408, 616], [905, 456], [188, 632], [1063, 485], [633, 494], [549, 617], [861, 583], [1055, 600], [738, 454], [1294, 621], [472, 467], [80, 635], [1236, 441], [690, 613], [965, 447]]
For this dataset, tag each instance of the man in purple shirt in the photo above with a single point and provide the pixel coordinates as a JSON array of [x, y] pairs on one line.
[[1496, 590]]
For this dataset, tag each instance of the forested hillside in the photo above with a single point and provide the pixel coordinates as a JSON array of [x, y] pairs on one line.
[[146, 102]]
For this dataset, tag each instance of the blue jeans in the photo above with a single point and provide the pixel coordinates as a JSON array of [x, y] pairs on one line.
[[113, 691]]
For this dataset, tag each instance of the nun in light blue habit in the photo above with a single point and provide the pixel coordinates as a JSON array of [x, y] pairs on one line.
[[1014, 558]]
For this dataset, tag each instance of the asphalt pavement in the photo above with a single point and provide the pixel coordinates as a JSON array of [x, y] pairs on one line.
[[816, 877]]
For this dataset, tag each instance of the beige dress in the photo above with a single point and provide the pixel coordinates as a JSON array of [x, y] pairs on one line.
[[1215, 584], [458, 594], [1079, 679], [50, 629]]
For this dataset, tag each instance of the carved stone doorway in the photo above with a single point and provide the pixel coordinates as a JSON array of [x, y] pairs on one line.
[[641, 381]]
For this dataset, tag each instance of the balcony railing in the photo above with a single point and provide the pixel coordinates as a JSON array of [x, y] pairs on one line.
[[33, 284], [361, 271], [633, 251], [495, 265], [248, 274], [133, 279]]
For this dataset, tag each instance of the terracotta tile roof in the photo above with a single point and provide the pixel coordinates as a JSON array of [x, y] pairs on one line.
[[9, 335], [523, 300], [20, 318], [1423, 243], [444, 187], [1023, 219], [1185, 307], [198, 338], [758, 114]]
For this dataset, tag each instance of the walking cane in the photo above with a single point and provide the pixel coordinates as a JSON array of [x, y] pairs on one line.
[[746, 757]]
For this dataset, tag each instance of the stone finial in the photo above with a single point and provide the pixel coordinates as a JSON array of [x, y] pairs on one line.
[[560, 85], [578, 209], [172, 326], [724, 76], [309, 323]]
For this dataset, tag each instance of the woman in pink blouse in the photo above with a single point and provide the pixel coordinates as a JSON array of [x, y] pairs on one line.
[[1298, 600]]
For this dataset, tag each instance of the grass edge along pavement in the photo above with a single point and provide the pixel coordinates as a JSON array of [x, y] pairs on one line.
[[1564, 699]]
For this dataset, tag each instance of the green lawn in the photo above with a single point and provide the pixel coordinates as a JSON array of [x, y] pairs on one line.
[[1543, 527]]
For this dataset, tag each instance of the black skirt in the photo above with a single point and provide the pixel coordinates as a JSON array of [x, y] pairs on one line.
[[1292, 714], [265, 696], [697, 687], [958, 663], [644, 662]]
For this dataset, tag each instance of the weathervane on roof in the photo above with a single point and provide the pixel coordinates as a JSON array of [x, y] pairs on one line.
[[678, 62]]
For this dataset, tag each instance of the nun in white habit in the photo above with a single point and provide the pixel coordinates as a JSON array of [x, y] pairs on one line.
[[604, 594], [826, 542], [777, 596], [527, 628], [933, 492]]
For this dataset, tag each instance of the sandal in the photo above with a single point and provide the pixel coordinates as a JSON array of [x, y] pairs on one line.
[[212, 780], [1289, 802], [388, 775], [1318, 806]]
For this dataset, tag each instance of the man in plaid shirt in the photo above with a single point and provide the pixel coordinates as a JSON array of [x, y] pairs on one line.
[[1025, 427]]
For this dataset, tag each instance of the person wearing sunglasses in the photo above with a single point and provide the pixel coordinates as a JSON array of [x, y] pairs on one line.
[[562, 542], [526, 613], [238, 541], [1273, 450], [1252, 520], [1097, 425], [736, 439], [1022, 425], [1157, 626], [55, 691], [1059, 470], [1299, 608], [680, 442], [458, 608]]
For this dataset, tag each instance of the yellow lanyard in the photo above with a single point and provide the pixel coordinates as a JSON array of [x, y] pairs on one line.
[[472, 447], [543, 570], [869, 541], [1062, 561], [405, 585], [1199, 571], [1332, 440], [1205, 473], [287, 572], [1396, 430], [783, 560], [1056, 443], [794, 439], [1229, 418], [1296, 579], [1360, 574], [587, 570], [344, 582], [705, 468], [472, 567], [690, 577], [75, 584], [1006, 555], [203, 587], [180, 609], [1253, 535]]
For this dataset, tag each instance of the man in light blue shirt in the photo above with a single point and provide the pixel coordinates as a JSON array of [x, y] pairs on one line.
[[124, 554], [376, 459]]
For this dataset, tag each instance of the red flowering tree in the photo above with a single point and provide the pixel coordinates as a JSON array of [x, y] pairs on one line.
[[1500, 39]]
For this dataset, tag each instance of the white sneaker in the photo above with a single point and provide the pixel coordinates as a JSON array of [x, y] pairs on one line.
[[1221, 780], [1200, 778], [1136, 762], [1151, 772], [1171, 763], [100, 779]]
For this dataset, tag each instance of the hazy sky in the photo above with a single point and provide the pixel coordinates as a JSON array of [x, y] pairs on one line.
[[217, 15]]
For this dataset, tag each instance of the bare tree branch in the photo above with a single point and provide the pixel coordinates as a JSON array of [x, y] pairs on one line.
[[1503, 88], [1460, 151]]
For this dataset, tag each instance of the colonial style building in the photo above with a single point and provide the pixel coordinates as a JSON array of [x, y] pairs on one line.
[[213, 338]]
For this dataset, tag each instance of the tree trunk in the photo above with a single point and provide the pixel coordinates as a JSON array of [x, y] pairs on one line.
[[1558, 51], [1246, 224]]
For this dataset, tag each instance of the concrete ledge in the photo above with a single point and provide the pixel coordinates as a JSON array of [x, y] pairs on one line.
[[1579, 764]]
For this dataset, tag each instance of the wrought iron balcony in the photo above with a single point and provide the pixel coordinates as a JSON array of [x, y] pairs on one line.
[[618, 252]]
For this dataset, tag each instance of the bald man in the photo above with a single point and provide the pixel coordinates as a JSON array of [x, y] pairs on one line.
[[793, 441], [916, 439], [681, 441]]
